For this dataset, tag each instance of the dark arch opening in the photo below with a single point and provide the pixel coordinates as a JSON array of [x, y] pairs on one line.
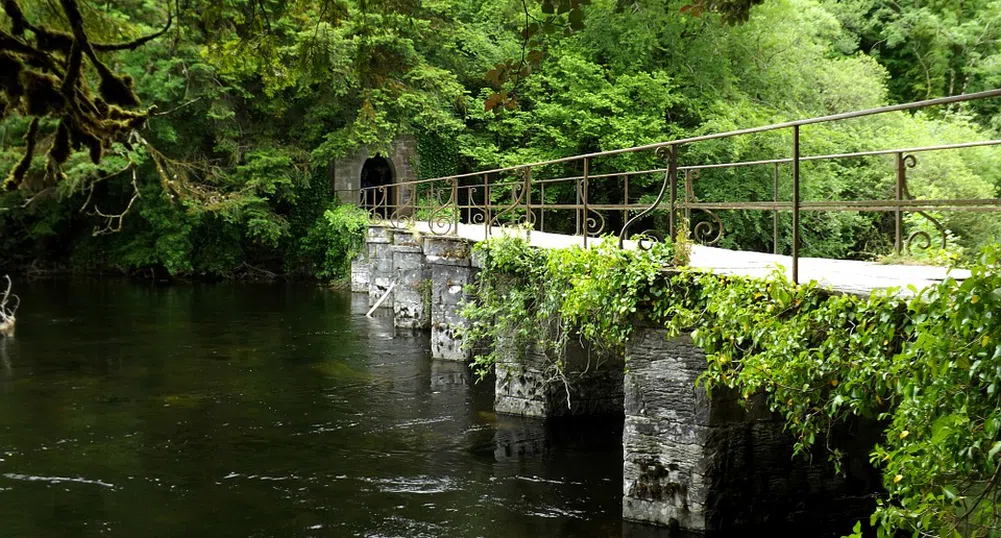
[[377, 172]]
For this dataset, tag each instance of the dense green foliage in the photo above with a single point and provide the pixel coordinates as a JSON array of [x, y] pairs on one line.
[[255, 98], [928, 367], [527, 297], [334, 239]]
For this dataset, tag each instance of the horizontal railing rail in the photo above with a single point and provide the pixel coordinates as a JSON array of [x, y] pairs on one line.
[[590, 204]]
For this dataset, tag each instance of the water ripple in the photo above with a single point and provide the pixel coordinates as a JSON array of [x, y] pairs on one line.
[[57, 479]]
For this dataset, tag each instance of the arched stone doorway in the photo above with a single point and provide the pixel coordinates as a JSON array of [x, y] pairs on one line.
[[347, 173], [378, 172]]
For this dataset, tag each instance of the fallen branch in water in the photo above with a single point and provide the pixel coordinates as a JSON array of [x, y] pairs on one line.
[[7, 312], [254, 273]]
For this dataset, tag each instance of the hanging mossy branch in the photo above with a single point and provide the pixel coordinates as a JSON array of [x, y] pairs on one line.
[[41, 75]]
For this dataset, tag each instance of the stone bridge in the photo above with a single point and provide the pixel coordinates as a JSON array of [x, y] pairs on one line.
[[688, 462]]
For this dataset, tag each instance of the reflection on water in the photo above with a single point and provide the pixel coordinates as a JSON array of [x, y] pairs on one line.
[[242, 410]]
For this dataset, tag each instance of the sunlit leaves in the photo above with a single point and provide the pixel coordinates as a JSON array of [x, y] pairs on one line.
[[557, 16]]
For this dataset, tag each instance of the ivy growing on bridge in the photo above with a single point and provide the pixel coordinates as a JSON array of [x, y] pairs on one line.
[[927, 367], [590, 293]]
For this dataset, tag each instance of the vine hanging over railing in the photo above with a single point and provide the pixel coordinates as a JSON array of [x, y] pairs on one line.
[[925, 363], [527, 297]]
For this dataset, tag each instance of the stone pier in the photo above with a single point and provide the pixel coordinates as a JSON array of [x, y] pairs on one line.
[[431, 274], [379, 243], [361, 271], [527, 384], [451, 271], [412, 294], [715, 465]]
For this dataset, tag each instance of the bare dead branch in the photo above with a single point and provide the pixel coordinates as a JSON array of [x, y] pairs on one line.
[[113, 222], [6, 311]]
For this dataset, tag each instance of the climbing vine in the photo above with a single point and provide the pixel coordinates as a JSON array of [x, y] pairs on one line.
[[527, 297], [929, 367], [924, 363], [439, 156]]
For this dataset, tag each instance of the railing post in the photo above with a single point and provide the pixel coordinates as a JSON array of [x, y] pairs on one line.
[[578, 199], [795, 204], [672, 174], [486, 206], [586, 162], [898, 215], [689, 196], [775, 212], [455, 205], [528, 196], [542, 208], [625, 201]]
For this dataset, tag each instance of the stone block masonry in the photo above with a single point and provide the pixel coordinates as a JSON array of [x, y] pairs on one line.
[[451, 271], [412, 295], [714, 465], [528, 384], [380, 261]]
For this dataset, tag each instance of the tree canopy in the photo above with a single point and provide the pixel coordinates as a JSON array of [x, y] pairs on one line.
[[194, 137]]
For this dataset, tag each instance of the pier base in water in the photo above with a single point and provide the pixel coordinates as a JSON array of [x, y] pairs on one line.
[[715, 465]]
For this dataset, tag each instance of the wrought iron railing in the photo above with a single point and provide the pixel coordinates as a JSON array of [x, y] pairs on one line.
[[617, 199]]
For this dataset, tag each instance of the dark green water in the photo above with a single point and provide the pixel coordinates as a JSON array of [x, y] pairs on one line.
[[237, 410]]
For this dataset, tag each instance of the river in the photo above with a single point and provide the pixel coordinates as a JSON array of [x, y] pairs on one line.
[[270, 410]]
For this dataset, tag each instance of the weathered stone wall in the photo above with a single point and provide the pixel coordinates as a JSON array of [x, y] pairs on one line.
[[527, 383], [451, 271], [380, 258], [345, 177], [412, 295], [707, 465]]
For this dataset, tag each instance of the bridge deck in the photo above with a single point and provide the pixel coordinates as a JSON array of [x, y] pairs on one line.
[[847, 276]]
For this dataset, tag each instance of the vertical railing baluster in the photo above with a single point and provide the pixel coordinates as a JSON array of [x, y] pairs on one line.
[[775, 212], [795, 204], [486, 205], [586, 162], [542, 209], [529, 216], [672, 173], [576, 206], [625, 201], [898, 214], [455, 205], [689, 197]]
